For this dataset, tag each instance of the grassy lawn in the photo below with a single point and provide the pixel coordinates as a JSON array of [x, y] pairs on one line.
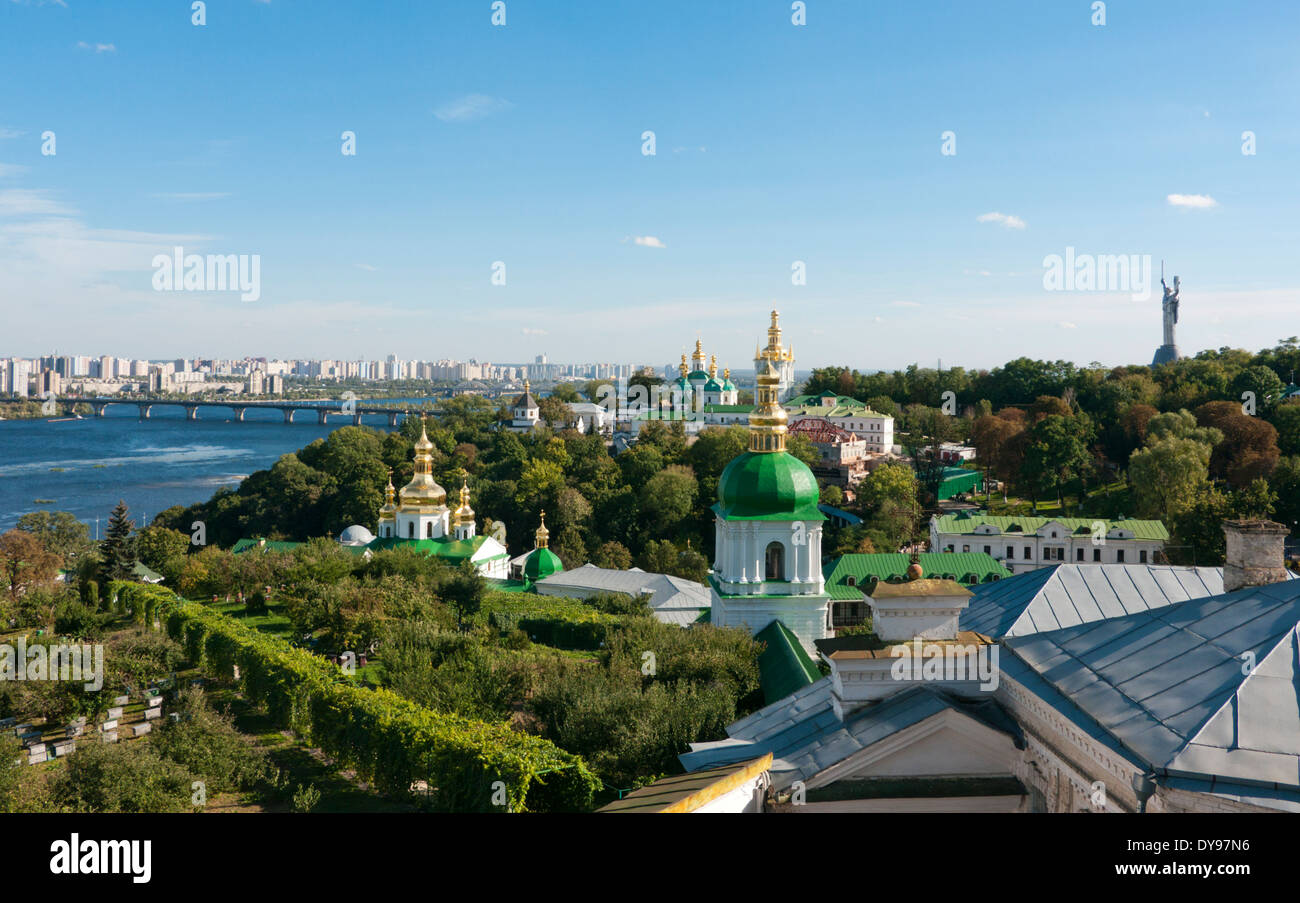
[[1107, 501], [272, 620]]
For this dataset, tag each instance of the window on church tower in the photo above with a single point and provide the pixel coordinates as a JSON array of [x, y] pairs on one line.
[[775, 569], [410, 530], [428, 530]]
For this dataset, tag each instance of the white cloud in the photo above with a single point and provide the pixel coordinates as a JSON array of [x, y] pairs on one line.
[[11, 169], [471, 106], [11, 133], [1002, 219], [1200, 201], [904, 304], [98, 48], [1065, 324], [527, 331], [365, 266], [648, 241], [31, 202]]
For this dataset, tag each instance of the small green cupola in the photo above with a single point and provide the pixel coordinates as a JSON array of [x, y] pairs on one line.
[[542, 562]]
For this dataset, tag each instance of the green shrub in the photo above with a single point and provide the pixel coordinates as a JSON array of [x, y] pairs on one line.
[[386, 739]]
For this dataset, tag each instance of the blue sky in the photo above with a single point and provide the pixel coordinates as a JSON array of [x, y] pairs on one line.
[[522, 144]]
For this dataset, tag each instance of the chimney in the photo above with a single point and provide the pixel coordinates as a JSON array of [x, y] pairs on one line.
[[1254, 553]]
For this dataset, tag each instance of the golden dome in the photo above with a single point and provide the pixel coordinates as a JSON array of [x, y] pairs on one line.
[[423, 489], [464, 514], [386, 512]]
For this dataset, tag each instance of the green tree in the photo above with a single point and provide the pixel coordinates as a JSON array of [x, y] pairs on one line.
[[668, 497], [1168, 476], [60, 532], [1285, 419], [162, 549], [613, 554]]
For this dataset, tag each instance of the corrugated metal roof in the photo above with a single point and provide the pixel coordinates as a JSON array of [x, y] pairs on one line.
[[674, 600], [816, 739], [1064, 595], [1171, 685]]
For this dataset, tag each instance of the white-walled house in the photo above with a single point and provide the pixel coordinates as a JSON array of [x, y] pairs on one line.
[[1028, 543]]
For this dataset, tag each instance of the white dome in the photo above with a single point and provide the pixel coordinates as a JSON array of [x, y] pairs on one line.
[[356, 535]]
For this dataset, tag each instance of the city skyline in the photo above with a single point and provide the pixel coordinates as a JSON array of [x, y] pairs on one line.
[[478, 145]]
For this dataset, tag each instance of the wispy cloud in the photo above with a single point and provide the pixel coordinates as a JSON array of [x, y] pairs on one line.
[[11, 169], [471, 106], [365, 266], [1196, 201], [1005, 220], [904, 304], [62, 3], [98, 48], [11, 133], [527, 331], [1065, 324], [31, 202], [647, 241]]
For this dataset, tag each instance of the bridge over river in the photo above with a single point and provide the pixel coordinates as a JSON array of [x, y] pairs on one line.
[[323, 409]]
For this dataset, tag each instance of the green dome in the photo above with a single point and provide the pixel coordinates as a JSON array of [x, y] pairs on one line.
[[542, 563], [697, 375], [729, 386], [713, 386], [768, 486]]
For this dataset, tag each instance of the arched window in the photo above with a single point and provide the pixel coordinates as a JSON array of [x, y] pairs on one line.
[[410, 529], [775, 560], [428, 530], [851, 580]]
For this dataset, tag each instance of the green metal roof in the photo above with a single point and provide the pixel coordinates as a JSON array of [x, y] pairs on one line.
[[887, 566], [768, 486], [784, 666], [729, 409], [542, 563], [455, 549], [270, 545], [966, 523]]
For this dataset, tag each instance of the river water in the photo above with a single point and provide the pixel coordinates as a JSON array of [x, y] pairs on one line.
[[86, 466]]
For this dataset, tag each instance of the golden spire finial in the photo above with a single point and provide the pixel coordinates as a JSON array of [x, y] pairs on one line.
[[542, 533], [767, 424], [713, 366], [682, 367]]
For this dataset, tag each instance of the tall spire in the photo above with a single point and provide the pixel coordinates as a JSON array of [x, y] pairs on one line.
[[713, 366], [698, 358], [423, 488], [542, 533], [767, 424], [682, 367]]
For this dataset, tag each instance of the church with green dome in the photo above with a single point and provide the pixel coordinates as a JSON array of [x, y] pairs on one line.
[[768, 527]]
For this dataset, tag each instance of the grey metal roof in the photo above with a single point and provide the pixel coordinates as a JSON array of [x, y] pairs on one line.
[[1065, 595], [806, 737], [673, 599], [1169, 684]]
